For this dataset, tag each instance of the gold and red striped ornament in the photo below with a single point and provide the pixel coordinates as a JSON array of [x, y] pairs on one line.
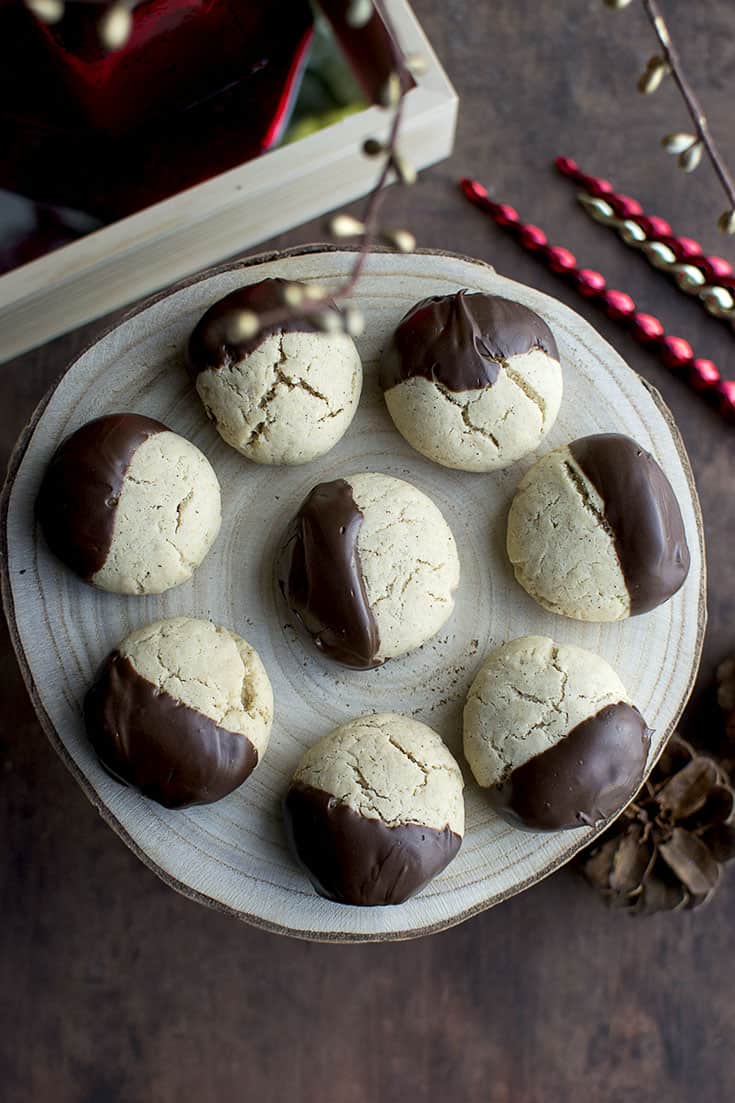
[[675, 352], [710, 278]]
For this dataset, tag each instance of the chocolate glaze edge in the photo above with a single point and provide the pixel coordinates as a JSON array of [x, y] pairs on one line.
[[77, 500], [584, 778], [353, 859], [149, 740], [460, 341], [211, 345], [643, 514], [320, 576]]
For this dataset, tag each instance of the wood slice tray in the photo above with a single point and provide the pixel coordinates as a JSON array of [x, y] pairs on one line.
[[233, 854]]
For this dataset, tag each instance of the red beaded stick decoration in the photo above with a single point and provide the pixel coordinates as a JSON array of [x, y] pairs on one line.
[[675, 352], [710, 278]]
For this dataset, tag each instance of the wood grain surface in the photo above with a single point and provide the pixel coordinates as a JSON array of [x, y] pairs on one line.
[[113, 988]]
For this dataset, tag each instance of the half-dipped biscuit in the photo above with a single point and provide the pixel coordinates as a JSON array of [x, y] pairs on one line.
[[550, 732], [128, 505], [375, 810], [369, 567], [595, 531], [285, 395], [181, 710], [472, 380]]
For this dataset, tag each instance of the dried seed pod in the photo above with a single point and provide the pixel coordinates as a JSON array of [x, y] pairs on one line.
[[354, 321], [690, 158], [655, 72], [726, 222], [401, 240], [359, 13], [48, 11], [598, 209], [678, 142], [115, 27], [344, 225]]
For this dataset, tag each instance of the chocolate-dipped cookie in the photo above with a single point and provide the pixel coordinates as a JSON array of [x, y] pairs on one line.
[[375, 810], [550, 732], [472, 380], [595, 531], [181, 710], [369, 567], [286, 395], [128, 505]]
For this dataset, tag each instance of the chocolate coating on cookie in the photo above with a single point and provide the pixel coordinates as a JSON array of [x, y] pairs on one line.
[[169, 751], [321, 578], [643, 516], [459, 341], [352, 859], [214, 342], [81, 487], [584, 778]]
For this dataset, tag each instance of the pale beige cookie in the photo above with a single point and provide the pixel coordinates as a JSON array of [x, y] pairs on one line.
[[550, 729], [375, 810], [182, 710], [472, 381]]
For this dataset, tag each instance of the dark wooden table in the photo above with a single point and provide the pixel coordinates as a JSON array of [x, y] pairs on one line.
[[115, 989]]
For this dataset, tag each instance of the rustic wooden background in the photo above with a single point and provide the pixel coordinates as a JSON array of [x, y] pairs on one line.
[[115, 989]]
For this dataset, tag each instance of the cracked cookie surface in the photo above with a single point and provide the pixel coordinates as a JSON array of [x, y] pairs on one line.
[[289, 400], [528, 696], [472, 381], [181, 710], [389, 768], [166, 518]]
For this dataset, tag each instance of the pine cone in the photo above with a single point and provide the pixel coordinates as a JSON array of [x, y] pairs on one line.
[[667, 849], [726, 694]]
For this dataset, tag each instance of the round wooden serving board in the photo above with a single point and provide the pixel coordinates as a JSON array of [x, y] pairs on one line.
[[233, 854]]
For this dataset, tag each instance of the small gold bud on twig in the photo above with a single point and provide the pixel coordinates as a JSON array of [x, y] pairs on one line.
[[115, 26], [390, 93], [717, 300], [726, 222], [293, 294], [371, 147], [242, 326], [359, 13], [354, 322], [617, 5], [688, 277], [678, 142], [632, 233], [48, 11], [402, 240], [660, 255], [690, 158], [405, 171], [654, 73], [597, 208], [344, 225], [329, 322], [314, 292]]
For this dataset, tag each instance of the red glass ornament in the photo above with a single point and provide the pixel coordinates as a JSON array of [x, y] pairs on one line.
[[560, 259], [589, 282], [595, 186], [703, 374], [714, 268], [676, 352], [532, 237], [617, 303], [685, 248], [624, 206], [726, 396], [505, 215], [646, 327], [567, 166], [653, 226], [474, 190]]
